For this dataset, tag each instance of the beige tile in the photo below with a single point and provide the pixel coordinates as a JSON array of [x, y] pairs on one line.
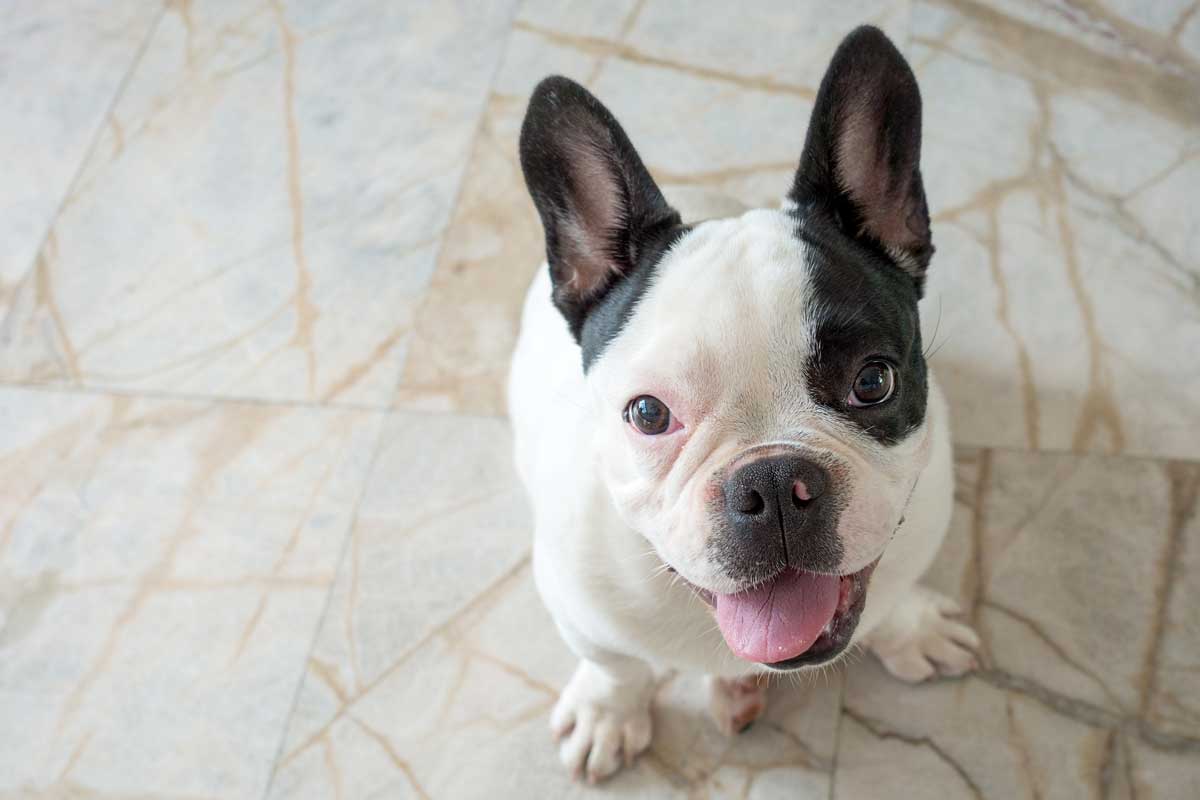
[[163, 565], [1157, 774], [1064, 289], [702, 123], [1174, 688], [60, 68], [464, 714], [262, 214], [962, 739], [443, 516], [777, 41], [436, 664], [1063, 564]]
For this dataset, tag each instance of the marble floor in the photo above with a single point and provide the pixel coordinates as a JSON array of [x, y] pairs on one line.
[[260, 267]]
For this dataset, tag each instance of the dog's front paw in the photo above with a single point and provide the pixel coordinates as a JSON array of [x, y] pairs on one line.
[[735, 704], [921, 638], [601, 722]]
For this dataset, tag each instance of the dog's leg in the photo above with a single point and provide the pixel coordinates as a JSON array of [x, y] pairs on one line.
[[735, 704], [602, 718], [920, 638]]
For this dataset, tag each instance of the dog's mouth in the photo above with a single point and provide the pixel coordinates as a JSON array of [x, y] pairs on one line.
[[797, 618]]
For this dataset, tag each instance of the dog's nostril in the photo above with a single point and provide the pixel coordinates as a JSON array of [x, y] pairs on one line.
[[800, 494], [750, 502]]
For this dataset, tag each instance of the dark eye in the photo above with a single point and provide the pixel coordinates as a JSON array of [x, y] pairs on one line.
[[648, 414], [873, 385]]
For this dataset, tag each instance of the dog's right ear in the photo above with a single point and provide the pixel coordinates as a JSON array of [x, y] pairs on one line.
[[861, 161], [599, 206]]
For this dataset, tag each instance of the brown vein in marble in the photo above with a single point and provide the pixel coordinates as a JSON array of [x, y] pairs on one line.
[[400, 764], [1024, 363], [335, 774], [1105, 768], [1186, 279], [809, 758], [596, 46], [1033, 627], [118, 136], [626, 27], [351, 604], [1020, 742], [1182, 22], [1055, 59], [522, 676], [1184, 486], [358, 370], [879, 731], [248, 630], [201, 356], [717, 177], [1162, 50], [76, 754], [44, 293], [977, 587], [292, 543], [1091, 715], [306, 312], [477, 602], [327, 673], [60, 442], [216, 454], [184, 9]]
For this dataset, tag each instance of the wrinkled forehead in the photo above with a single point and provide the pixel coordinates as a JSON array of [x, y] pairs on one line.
[[729, 279], [745, 305], [729, 299]]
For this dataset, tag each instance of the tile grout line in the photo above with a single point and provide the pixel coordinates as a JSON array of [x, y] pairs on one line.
[[94, 142], [319, 625], [484, 100], [243, 400], [385, 413]]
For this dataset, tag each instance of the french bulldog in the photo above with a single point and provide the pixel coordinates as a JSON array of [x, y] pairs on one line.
[[738, 459]]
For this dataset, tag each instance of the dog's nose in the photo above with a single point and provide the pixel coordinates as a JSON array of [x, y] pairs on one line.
[[773, 496]]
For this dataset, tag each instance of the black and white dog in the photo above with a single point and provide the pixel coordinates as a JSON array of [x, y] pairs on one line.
[[741, 402]]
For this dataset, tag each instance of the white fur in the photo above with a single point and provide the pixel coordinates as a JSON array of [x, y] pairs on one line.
[[721, 338]]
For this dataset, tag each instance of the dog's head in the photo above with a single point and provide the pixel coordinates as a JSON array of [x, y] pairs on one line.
[[758, 382]]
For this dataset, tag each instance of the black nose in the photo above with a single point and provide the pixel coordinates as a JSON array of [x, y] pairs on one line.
[[778, 507]]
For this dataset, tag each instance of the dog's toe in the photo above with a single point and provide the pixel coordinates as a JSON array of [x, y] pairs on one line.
[[919, 639], [603, 740], [736, 704], [600, 728]]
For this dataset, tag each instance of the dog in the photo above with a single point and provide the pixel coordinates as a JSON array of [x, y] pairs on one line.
[[732, 421]]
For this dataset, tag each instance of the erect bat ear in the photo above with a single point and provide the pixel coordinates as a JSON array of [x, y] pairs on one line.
[[861, 159], [599, 206]]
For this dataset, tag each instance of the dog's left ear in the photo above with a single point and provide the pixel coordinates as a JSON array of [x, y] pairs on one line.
[[861, 161], [599, 206]]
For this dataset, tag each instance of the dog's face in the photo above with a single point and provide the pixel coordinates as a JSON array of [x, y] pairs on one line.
[[758, 382]]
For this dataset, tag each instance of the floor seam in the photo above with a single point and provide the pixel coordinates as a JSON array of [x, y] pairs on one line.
[[473, 141], [93, 143], [320, 622]]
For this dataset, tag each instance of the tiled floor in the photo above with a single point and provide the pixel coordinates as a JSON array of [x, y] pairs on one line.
[[260, 265]]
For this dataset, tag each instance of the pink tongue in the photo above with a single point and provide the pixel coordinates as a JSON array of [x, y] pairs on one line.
[[779, 619]]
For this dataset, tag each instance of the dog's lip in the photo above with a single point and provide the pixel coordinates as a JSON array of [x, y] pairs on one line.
[[835, 638]]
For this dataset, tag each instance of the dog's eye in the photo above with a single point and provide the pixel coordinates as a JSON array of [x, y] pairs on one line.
[[873, 385], [648, 414]]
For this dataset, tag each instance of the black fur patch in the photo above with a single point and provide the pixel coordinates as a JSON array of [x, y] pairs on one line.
[[604, 217], [608, 316], [863, 309], [860, 168]]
